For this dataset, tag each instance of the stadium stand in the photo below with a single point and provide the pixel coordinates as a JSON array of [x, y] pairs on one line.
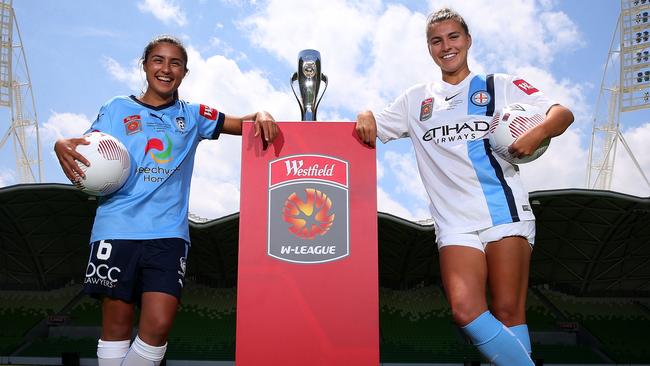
[[589, 299], [619, 325]]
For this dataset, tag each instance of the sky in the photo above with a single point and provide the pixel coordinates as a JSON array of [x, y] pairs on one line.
[[242, 54]]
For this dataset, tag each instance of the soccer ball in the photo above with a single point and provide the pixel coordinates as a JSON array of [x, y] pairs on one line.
[[109, 168], [509, 124]]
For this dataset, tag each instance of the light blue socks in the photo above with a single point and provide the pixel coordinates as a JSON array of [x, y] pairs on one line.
[[521, 332], [496, 342]]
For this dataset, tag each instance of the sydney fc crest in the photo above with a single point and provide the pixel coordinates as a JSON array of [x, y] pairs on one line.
[[180, 123], [308, 218]]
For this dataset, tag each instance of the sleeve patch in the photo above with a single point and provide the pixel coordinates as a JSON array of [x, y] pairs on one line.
[[208, 112], [525, 86]]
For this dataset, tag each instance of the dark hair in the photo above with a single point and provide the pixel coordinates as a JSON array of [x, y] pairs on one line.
[[443, 14], [165, 38]]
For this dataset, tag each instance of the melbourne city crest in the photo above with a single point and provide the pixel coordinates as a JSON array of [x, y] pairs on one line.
[[308, 218]]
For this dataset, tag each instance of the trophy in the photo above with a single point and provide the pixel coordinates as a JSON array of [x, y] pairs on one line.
[[309, 77]]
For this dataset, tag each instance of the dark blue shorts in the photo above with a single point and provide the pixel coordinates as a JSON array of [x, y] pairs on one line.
[[124, 269]]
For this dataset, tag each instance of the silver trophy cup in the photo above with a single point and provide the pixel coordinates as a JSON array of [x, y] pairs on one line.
[[309, 77]]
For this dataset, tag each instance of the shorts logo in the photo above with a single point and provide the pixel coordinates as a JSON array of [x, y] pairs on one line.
[[480, 98], [180, 123], [208, 112], [525, 86], [308, 209], [164, 156], [133, 124], [182, 265], [102, 275], [426, 109]]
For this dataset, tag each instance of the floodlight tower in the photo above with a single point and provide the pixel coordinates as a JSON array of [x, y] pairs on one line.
[[16, 94], [630, 91]]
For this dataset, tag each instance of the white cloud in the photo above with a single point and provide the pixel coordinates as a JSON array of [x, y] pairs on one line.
[[566, 92], [516, 32], [59, 124], [133, 76], [386, 203], [626, 177], [7, 178], [219, 82], [563, 165], [337, 29], [404, 168], [63, 124], [399, 55], [380, 170], [215, 183], [166, 11]]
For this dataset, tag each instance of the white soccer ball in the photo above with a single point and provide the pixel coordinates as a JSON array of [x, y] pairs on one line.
[[509, 124], [109, 168]]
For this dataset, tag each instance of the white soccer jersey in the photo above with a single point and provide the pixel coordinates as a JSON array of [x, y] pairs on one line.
[[470, 187]]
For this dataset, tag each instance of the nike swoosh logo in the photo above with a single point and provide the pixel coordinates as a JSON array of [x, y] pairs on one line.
[[452, 97]]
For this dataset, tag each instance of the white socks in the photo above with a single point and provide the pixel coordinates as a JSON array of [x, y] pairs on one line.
[[142, 354], [111, 353]]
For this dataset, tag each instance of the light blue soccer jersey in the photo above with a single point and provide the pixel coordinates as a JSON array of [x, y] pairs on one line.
[[162, 142]]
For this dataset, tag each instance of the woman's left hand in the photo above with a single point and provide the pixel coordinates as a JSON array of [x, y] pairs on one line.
[[527, 143], [265, 124]]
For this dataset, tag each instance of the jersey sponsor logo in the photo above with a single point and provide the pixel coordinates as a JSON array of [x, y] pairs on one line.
[[180, 123], [133, 124], [165, 148], [426, 109], [308, 209], [208, 112], [480, 98], [155, 174], [465, 131], [525, 86], [452, 97]]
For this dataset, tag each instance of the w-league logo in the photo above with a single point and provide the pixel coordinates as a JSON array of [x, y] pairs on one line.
[[308, 209]]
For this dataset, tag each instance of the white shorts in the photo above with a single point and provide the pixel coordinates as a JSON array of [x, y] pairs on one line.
[[480, 239]]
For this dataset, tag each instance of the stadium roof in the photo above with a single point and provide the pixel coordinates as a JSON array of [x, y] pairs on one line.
[[589, 243]]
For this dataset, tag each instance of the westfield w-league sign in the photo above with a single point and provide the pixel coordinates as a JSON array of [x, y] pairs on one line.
[[307, 291], [310, 228]]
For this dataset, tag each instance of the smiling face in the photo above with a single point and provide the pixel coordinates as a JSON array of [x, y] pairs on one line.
[[448, 44], [165, 67]]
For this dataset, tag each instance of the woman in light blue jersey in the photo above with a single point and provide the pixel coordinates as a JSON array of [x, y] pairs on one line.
[[485, 228], [140, 237]]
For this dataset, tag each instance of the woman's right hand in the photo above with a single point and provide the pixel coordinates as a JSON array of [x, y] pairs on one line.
[[366, 128], [66, 152]]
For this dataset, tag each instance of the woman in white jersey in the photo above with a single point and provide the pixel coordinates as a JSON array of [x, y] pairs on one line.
[[485, 228], [140, 237]]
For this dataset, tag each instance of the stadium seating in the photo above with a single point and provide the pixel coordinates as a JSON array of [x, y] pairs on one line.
[[415, 326], [205, 325], [620, 325]]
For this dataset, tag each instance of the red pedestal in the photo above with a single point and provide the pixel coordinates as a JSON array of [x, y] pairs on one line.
[[307, 291]]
